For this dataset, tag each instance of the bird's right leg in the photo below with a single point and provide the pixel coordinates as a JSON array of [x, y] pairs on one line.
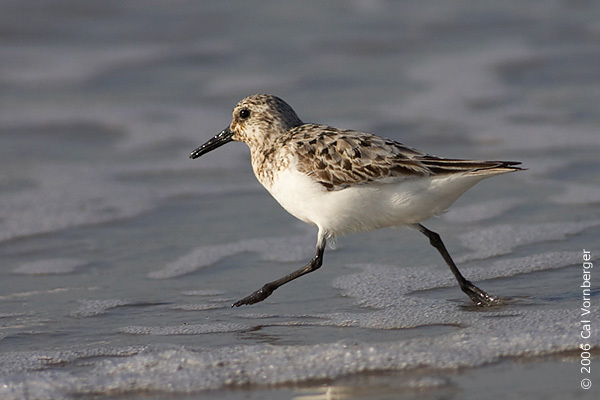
[[478, 296]]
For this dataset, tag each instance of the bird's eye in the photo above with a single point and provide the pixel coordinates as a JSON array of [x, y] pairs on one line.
[[244, 113]]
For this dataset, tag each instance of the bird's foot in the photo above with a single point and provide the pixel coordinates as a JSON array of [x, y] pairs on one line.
[[480, 297], [255, 297]]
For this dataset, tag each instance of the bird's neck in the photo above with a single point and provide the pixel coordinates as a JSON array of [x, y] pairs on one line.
[[267, 159]]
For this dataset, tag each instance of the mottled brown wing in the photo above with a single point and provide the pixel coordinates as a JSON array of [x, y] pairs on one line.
[[340, 158]]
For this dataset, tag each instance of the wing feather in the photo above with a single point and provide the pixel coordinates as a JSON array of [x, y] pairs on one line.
[[340, 158]]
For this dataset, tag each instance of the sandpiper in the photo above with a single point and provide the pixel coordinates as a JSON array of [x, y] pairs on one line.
[[346, 181]]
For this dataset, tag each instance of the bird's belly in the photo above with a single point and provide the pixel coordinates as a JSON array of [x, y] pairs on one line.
[[367, 206]]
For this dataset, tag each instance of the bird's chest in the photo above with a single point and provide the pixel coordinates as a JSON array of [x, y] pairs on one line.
[[267, 163], [296, 193]]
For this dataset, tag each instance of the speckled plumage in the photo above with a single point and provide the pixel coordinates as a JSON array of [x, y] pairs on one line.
[[337, 160], [347, 181], [341, 158], [334, 157]]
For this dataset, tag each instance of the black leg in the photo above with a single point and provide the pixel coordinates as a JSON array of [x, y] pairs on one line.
[[478, 296], [270, 287]]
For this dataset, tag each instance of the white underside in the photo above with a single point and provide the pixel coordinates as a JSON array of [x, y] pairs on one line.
[[368, 206]]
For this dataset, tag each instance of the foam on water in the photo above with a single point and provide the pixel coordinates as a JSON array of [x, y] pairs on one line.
[[200, 307], [274, 249], [50, 266], [542, 137], [59, 195], [394, 290], [204, 292], [503, 238], [93, 308], [64, 66], [578, 194], [391, 297], [476, 212], [75, 196], [31, 293], [54, 205], [179, 370], [184, 329], [454, 82]]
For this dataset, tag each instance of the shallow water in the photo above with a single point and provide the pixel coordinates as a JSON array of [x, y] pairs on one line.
[[121, 257]]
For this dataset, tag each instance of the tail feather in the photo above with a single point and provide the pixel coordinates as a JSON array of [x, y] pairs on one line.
[[441, 166]]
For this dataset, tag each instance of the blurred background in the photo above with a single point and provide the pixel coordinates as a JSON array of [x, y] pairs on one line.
[[120, 256]]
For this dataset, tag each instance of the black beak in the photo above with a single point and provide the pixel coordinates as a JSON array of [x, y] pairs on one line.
[[225, 136]]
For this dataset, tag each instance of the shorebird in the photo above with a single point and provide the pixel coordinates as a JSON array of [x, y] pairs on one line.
[[345, 181]]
